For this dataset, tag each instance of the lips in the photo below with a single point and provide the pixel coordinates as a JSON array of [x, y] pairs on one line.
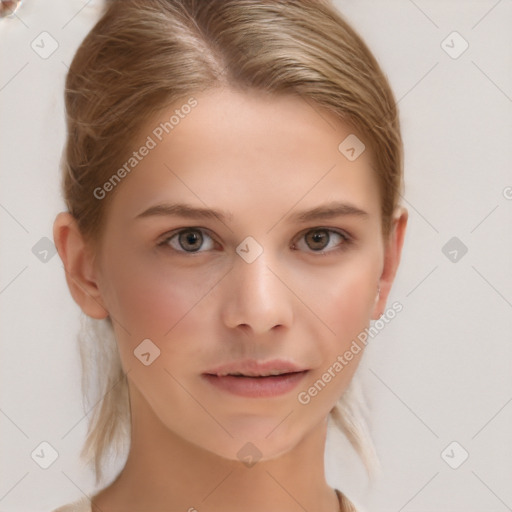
[[253, 368], [251, 378], [256, 386]]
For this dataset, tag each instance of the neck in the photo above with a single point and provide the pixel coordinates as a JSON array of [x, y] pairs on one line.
[[165, 472]]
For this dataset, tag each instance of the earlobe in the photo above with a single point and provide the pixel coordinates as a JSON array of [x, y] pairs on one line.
[[78, 266], [392, 254]]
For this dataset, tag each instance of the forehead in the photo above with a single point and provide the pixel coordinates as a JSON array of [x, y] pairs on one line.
[[247, 150]]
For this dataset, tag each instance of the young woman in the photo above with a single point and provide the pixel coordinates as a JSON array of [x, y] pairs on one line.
[[232, 175]]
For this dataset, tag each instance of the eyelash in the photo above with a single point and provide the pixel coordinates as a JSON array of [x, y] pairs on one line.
[[347, 240]]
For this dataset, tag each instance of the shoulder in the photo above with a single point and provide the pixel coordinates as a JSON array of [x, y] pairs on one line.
[[347, 505], [81, 505]]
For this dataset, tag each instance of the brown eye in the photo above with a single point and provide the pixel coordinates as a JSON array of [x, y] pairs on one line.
[[189, 240], [323, 241], [318, 239]]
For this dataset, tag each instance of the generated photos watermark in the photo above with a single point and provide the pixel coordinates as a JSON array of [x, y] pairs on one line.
[[305, 397], [157, 135]]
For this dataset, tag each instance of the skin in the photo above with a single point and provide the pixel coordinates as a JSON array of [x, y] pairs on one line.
[[261, 158]]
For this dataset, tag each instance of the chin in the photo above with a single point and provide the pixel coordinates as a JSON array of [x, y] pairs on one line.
[[256, 444]]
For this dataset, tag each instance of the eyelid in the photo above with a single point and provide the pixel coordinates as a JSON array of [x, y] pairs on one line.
[[339, 231], [169, 234], [164, 239]]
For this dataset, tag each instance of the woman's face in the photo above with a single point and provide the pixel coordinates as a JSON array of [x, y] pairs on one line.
[[284, 273]]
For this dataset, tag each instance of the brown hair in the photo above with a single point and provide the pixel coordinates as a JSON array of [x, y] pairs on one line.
[[144, 55]]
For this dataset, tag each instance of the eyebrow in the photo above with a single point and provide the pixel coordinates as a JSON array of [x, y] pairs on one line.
[[326, 211]]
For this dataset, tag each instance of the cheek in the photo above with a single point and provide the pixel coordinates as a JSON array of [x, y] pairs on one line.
[[150, 300], [350, 305], [345, 305], [344, 297]]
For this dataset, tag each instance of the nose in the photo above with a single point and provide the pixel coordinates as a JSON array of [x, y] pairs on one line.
[[257, 299]]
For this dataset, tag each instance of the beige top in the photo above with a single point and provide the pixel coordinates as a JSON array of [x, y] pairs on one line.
[[84, 505]]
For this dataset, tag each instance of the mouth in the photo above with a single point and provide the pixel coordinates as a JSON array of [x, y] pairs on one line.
[[275, 373], [254, 379], [254, 368]]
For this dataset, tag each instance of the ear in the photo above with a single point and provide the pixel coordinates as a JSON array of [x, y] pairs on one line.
[[78, 265], [392, 253]]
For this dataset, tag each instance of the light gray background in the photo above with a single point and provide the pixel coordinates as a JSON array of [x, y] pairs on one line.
[[439, 372]]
